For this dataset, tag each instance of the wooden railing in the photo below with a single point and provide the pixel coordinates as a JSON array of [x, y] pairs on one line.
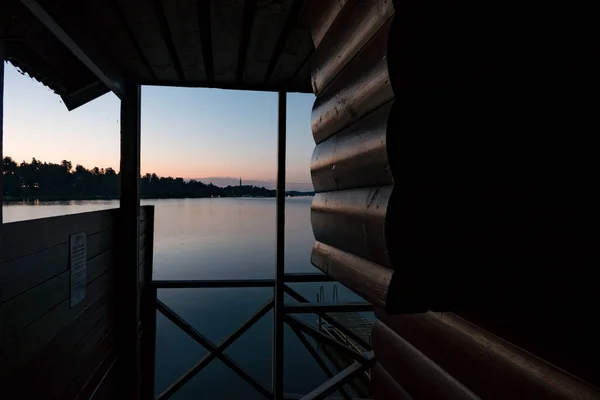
[[301, 329], [51, 347]]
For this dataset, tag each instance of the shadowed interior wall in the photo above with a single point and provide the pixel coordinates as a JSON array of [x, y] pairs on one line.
[[47, 348], [453, 170]]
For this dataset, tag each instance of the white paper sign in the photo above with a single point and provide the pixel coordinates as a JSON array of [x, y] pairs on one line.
[[77, 244]]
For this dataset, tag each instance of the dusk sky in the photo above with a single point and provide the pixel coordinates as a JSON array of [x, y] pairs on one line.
[[192, 133]]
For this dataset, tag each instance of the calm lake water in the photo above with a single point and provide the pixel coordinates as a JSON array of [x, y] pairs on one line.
[[220, 239]]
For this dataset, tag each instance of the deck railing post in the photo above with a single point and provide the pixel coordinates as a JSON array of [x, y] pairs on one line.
[[148, 313], [127, 296], [279, 313]]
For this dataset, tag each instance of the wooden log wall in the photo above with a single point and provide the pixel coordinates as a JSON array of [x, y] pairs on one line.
[[47, 348], [453, 171]]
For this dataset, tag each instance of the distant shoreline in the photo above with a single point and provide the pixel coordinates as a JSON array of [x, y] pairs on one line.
[[8, 199], [42, 181]]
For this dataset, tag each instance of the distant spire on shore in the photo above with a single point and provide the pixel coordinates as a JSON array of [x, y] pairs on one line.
[[240, 181]]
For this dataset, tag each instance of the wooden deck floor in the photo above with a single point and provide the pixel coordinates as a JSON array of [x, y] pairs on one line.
[[361, 327], [356, 323]]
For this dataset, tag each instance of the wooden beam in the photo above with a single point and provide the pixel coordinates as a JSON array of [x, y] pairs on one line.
[[127, 298], [313, 308], [213, 283], [301, 277], [279, 311], [296, 396], [109, 78], [339, 380], [239, 283], [290, 87]]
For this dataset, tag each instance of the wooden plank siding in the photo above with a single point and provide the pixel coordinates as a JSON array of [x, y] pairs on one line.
[[438, 188], [47, 348], [47, 232]]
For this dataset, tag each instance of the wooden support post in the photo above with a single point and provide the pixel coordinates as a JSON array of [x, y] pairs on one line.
[[127, 296], [315, 308], [279, 313], [148, 313]]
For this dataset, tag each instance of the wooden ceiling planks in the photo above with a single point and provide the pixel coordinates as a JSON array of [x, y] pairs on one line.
[[230, 44], [226, 28], [32, 46], [269, 20], [85, 63], [183, 26], [108, 22], [144, 23], [296, 51]]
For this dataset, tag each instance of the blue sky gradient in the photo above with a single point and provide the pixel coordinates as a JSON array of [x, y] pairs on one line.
[[193, 133]]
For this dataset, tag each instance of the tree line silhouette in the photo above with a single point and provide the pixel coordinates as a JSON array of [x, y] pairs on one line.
[[48, 181]]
